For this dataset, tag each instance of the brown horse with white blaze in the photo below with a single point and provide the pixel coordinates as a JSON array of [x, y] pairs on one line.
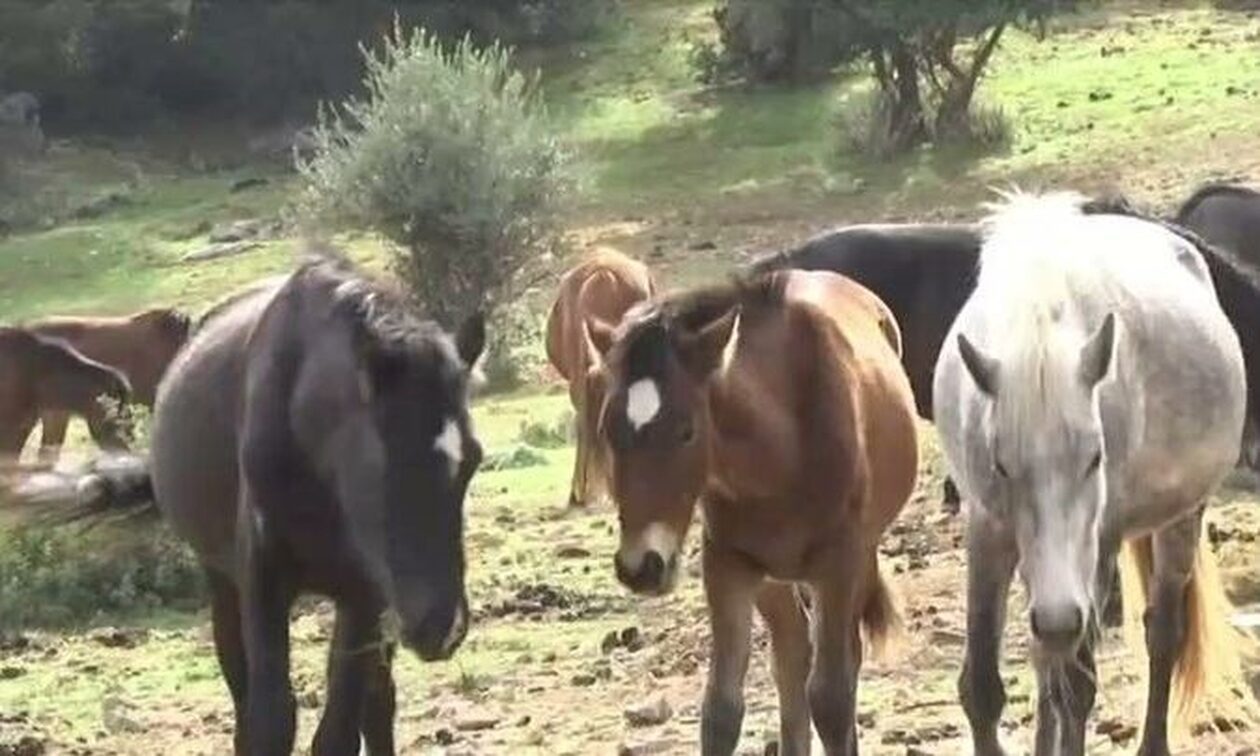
[[780, 404], [602, 286]]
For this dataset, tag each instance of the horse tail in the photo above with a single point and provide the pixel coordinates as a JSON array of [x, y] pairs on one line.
[[881, 619], [1209, 666]]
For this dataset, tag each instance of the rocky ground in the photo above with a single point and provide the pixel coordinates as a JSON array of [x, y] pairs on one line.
[[561, 661]]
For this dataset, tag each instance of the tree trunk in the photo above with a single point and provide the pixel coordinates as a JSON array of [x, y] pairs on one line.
[[955, 105], [907, 122]]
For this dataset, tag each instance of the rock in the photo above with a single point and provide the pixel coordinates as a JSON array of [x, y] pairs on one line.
[[477, 722], [701, 246], [308, 699], [648, 747], [239, 230], [116, 716], [11, 673], [444, 737], [572, 552], [652, 713], [24, 745], [98, 206], [114, 637], [216, 251], [252, 182], [583, 680]]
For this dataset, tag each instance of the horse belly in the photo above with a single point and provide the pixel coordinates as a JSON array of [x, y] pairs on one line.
[[194, 449]]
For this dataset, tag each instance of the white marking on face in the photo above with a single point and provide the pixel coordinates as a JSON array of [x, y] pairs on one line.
[[643, 401], [657, 537], [728, 351], [459, 626], [451, 444]]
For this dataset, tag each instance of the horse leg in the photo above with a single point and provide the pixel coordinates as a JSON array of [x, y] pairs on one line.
[[52, 435], [577, 488], [379, 701], [354, 633], [951, 500], [1174, 550], [789, 638], [991, 560], [833, 676], [229, 647], [729, 587], [265, 602]]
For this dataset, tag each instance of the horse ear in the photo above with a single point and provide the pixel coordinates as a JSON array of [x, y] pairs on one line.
[[702, 348], [983, 368], [1097, 354], [598, 336], [470, 339]]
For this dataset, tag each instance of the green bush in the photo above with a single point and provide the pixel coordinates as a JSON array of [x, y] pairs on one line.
[[63, 577], [863, 125], [450, 156], [776, 40], [541, 435]]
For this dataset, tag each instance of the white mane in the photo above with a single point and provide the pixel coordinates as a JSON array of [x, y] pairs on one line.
[[1041, 256]]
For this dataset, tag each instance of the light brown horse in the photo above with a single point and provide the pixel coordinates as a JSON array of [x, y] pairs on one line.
[[603, 286], [140, 346], [39, 374], [780, 404]]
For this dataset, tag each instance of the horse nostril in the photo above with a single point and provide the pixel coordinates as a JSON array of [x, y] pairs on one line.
[[653, 570]]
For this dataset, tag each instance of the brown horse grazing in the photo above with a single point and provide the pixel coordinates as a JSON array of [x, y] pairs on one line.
[[39, 374], [603, 286], [140, 346], [780, 403]]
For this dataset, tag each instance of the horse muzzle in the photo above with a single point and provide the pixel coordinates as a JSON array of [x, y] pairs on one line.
[[655, 574], [439, 633]]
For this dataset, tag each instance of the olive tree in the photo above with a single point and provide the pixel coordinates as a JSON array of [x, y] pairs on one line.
[[449, 155]]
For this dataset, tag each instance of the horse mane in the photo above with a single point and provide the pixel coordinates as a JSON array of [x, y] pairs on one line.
[[379, 309], [1036, 259], [1209, 190]]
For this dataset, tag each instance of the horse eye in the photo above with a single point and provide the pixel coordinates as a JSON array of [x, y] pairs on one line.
[[687, 434], [1094, 464], [997, 467]]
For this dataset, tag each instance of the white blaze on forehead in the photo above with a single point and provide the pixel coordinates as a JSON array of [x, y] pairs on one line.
[[450, 443], [643, 401]]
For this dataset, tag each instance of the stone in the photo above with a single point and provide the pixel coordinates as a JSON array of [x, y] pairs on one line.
[[220, 250], [654, 712], [477, 722], [114, 637]]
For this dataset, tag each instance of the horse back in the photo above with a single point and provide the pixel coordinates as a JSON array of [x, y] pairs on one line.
[[863, 387], [605, 285]]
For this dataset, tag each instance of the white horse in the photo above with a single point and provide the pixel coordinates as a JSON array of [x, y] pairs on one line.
[[1091, 392]]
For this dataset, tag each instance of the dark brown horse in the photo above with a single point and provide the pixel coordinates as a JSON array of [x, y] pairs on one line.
[[140, 346], [314, 437], [1228, 218], [923, 272], [39, 374], [604, 286], [780, 404]]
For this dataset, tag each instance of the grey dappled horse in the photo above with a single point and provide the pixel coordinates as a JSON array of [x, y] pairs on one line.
[[1091, 392]]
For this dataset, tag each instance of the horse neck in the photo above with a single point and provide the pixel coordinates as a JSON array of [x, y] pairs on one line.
[[756, 434]]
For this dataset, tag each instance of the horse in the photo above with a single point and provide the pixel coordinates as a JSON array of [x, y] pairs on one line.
[[40, 374], [314, 436], [140, 346], [778, 402], [1228, 218], [604, 286], [1090, 393], [923, 272]]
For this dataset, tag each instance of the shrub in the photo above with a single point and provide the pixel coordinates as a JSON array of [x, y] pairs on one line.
[[57, 578], [985, 126], [541, 435], [450, 157], [863, 125], [775, 40]]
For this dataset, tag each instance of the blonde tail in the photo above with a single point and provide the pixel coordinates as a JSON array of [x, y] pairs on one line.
[[881, 619], [1209, 668]]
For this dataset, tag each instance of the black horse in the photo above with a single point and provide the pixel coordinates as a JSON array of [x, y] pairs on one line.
[[924, 273], [1228, 218], [313, 436]]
